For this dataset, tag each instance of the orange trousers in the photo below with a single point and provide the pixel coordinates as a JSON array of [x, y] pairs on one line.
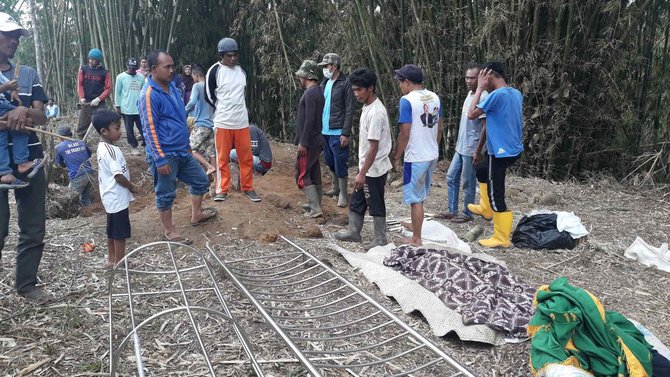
[[225, 140]]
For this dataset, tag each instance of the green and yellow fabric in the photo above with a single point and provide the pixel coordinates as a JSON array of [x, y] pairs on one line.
[[571, 327]]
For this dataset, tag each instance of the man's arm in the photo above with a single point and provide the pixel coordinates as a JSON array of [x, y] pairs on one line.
[[118, 90], [80, 84], [401, 143], [370, 157], [483, 80], [148, 107], [480, 145], [439, 132], [348, 109], [195, 97], [108, 87], [124, 182]]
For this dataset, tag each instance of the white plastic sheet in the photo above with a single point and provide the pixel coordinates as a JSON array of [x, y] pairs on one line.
[[434, 231], [648, 255]]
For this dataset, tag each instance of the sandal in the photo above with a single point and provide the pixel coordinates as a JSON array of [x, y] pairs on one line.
[[38, 164], [17, 184], [178, 239], [208, 214]]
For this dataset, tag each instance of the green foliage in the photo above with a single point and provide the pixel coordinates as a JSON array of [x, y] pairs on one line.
[[594, 73]]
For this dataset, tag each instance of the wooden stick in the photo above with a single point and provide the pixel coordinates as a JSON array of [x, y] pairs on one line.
[[45, 132]]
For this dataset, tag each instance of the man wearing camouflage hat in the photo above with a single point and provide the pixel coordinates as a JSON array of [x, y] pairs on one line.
[[337, 119], [126, 93], [308, 137]]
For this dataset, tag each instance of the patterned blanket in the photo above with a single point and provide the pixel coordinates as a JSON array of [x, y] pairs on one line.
[[482, 292]]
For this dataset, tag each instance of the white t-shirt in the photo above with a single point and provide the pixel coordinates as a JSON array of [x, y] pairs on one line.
[[422, 109], [231, 109], [111, 162], [375, 126]]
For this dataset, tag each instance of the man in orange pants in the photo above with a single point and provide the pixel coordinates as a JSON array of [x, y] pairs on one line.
[[224, 90]]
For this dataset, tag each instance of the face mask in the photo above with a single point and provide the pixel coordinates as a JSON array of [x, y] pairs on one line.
[[327, 73]]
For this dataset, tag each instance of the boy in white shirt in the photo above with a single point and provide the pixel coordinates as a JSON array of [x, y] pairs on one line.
[[114, 181]]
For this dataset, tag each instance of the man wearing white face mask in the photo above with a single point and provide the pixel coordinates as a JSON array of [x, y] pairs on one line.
[[338, 116]]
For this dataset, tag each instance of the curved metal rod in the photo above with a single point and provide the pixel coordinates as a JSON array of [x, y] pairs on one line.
[[345, 336], [310, 298], [246, 281], [372, 363], [311, 307], [247, 276], [324, 315], [327, 328], [294, 292], [355, 350], [266, 257], [389, 314]]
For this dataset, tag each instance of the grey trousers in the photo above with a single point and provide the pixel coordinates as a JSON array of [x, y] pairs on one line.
[[31, 216]]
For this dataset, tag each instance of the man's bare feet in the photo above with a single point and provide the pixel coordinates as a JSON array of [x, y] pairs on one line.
[[410, 241], [24, 167], [7, 178], [210, 169]]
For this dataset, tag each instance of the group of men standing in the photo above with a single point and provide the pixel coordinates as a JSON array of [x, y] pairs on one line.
[[420, 130]]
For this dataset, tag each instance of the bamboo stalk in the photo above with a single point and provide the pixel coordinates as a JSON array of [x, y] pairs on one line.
[[41, 131]]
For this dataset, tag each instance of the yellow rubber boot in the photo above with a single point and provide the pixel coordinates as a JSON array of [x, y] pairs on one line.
[[502, 228], [482, 209]]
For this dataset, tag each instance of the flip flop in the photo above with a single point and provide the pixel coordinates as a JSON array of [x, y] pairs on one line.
[[38, 164], [209, 213], [17, 184], [179, 239]]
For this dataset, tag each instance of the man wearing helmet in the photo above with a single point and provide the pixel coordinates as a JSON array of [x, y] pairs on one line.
[[93, 87], [225, 86]]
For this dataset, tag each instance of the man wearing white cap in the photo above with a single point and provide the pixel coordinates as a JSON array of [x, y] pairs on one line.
[[30, 201]]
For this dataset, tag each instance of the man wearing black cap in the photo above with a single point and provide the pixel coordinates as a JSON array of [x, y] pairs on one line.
[[418, 140], [126, 93], [503, 108], [338, 117], [74, 156]]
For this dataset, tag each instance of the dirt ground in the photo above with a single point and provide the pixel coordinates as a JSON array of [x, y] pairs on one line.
[[71, 336]]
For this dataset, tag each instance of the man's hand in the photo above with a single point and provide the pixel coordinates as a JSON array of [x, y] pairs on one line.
[[18, 119], [484, 79], [476, 157], [10, 85], [134, 189], [82, 101], [95, 102], [118, 110], [301, 150], [395, 162], [164, 170], [344, 141], [359, 182]]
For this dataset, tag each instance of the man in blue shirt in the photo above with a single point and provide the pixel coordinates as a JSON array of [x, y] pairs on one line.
[[74, 156], [503, 109], [163, 116]]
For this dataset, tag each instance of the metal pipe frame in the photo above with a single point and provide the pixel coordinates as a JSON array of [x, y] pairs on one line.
[[225, 314], [279, 287]]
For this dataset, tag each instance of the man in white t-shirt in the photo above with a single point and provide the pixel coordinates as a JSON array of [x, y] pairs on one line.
[[373, 161], [114, 182], [419, 141], [225, 86]]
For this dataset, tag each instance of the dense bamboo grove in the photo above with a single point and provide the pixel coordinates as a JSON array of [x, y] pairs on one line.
[[594, 73]]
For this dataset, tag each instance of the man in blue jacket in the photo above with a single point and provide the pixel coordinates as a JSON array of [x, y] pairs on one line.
[[168, 151]]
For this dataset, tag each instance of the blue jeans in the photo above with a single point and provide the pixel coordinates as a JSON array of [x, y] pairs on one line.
[[336, 157], [186, 169], [19, 149], [82, 186], [461, 169], [258, 167]]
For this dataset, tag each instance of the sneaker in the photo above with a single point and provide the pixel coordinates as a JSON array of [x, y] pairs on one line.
[[37, 296], [251, 194], [221, 197]]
